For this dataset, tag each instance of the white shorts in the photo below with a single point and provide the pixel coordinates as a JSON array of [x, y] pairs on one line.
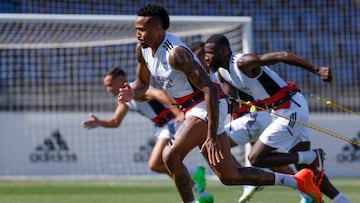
[[167, 131], [248, 127], [200, 111], [283, 133]]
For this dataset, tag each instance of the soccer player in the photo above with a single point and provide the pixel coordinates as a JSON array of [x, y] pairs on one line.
[[156, 106], [245, 125], [250, 73], [178, 70]]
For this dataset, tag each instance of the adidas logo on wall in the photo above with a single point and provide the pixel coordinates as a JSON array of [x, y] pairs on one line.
[[144, 152], [53, 149], [350, 152]]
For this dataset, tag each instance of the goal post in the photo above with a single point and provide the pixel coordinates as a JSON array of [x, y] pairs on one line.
[[51, 71], [183, 26]]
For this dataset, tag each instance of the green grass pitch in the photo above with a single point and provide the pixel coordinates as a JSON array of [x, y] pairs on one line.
[[144, 191]]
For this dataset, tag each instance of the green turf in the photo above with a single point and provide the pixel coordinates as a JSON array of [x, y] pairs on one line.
[[143, 191]]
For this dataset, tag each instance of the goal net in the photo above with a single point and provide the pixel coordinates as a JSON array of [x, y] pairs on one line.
[[51, 72]]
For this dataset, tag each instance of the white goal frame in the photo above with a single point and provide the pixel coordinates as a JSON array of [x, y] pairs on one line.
[[245, 20], [33, 127]]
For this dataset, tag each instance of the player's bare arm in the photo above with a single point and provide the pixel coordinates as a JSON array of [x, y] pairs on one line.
[[111, 122], [295, 60], [250, 65], [161, 96], [140, 85], [228, 89], [183, 60], [142, 81], [118, 116], [230, 92]]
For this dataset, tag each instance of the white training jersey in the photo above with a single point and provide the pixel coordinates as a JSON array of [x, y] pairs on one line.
[[173, 81], [143, 107], [243, 92], [227, 76], [262, 86]]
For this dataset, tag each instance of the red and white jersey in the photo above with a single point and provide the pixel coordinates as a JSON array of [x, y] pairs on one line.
[[173, 81], [227, 76], [263, 86], [142, 107], [153, 110]]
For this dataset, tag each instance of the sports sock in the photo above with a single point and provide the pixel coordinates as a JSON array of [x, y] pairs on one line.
[[285, 180], [306, 157], [340, 198]]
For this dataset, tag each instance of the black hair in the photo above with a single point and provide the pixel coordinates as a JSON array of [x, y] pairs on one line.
[[219, 40], [115, 72], [157, 12], [197, 46]]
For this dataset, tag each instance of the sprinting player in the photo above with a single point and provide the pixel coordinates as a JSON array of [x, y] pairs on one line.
[[245, 125], [156, 106], [250, 74], [178, 70]]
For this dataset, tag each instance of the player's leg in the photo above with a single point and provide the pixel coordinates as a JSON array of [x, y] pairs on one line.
[[229, 174], [332, 192], [288, 170], [197, 173], [242, 131], [326, 186], [298, 181], [165, 135], [283, 133], [190, 135], [263, 155], [193, 133], [155, 162]]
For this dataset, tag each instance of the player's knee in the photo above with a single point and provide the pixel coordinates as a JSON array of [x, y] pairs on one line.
[[154, 166], [254, 161], [171, 160], [227, 179]]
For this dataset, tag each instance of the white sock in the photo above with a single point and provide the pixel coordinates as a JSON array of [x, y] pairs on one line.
[[306, 157], [285, 180], [340, 198]]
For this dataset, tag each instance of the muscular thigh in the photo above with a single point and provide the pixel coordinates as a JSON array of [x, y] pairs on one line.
[[156, 153], [227, 166], [192, 133]]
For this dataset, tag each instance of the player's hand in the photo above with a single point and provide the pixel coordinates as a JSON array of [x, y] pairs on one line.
[[126, 93], [212, 147], [93, 122], [325, 74], [179, 118]]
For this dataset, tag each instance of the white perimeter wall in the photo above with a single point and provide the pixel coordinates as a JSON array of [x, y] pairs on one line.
[[123, 151]]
